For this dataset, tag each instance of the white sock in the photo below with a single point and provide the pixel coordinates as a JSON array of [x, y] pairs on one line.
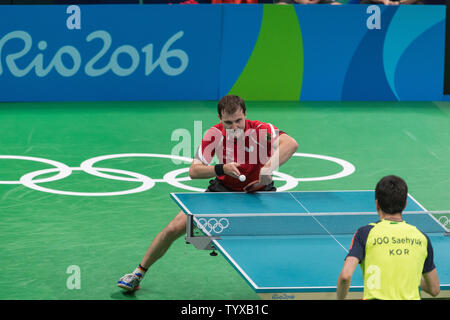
[[140, 272]]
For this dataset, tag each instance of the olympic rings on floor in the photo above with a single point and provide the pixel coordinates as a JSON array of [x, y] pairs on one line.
[[62, 171]]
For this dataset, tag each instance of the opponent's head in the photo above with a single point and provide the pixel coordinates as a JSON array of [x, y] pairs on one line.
[[391, 193], [232, 114]]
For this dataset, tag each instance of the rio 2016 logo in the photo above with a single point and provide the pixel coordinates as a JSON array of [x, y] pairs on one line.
[[61, 66]]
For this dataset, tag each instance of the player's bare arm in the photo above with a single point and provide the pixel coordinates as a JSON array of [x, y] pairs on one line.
[[430, 283], [284, 148], [345, 277], [199, 170]]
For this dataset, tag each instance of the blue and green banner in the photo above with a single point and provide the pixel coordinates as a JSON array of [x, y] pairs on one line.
[[261, 52], [109, 52]]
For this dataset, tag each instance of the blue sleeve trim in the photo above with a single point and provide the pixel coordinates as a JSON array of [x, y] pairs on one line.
[[429, 261], [358, 246]]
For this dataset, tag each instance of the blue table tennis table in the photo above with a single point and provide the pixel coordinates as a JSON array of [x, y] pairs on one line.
[[292, 245]]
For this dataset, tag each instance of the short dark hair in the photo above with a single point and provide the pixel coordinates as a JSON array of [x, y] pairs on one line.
[[230, 104], [391, 193]]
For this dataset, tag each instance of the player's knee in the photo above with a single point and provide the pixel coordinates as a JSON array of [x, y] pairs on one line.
[[174, 229]]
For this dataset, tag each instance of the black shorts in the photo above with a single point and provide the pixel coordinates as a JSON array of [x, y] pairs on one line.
[[216, 185]]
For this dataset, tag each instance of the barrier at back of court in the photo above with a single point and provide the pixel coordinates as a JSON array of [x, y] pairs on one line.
[[184, 59]]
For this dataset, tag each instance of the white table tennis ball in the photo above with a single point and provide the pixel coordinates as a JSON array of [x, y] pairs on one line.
[[242, 178]]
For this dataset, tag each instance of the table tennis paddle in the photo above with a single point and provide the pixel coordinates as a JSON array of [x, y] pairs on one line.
[[253, 186]]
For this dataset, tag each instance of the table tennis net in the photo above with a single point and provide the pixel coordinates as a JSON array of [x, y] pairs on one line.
[[304, 224]]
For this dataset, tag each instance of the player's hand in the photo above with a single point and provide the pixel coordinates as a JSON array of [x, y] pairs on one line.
[[232, 170], [265, 176], [390, 3]]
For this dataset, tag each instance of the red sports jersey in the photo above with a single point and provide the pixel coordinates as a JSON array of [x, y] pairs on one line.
[[251, 152]]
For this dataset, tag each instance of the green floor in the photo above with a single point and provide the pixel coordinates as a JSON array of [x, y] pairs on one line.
[[42, 234]]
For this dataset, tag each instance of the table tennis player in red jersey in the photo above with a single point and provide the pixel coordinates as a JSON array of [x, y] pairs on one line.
[[248, 151]]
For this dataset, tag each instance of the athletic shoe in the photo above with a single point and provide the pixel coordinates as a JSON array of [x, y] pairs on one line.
[[130, 281]]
